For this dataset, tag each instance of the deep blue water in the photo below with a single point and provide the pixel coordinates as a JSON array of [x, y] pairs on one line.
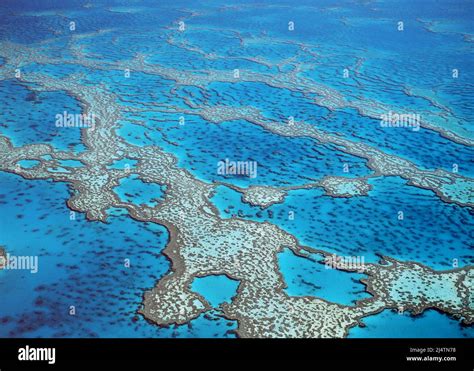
[[280, 160], [28, 117]]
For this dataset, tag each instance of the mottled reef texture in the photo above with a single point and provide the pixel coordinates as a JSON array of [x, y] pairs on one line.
[[202, 243]]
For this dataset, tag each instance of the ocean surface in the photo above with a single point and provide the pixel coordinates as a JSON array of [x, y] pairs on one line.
[[92, 275]]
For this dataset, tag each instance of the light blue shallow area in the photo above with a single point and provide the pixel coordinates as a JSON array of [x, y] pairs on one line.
[[430, 324], [134, 190], [308, 277], [70, 163], [123, 164], [27, 164], [215, 289]]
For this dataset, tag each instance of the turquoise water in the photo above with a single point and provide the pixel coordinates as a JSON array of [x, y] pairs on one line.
[[134, 190], [27, 164], [123, 164], [82, 263], [307, 277], [70, 163], [430, 324], [215, 289]]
